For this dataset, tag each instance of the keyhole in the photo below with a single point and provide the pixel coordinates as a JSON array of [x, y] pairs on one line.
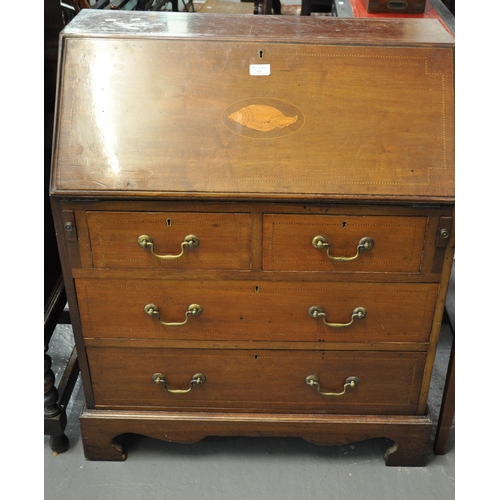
[[169, 222], [261, 54], [344, 224], [256, 288]]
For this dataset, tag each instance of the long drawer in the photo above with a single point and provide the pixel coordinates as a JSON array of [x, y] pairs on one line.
[[343, 243], [244, 310], [256, 380], [169, 240]]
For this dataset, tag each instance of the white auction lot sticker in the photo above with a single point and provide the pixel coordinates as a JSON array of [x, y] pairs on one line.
[[260, 69]]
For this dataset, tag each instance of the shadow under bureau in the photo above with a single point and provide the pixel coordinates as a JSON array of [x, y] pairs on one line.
[[255, 220]]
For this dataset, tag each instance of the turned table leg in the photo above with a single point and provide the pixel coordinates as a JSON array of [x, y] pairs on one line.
[[54, 416]]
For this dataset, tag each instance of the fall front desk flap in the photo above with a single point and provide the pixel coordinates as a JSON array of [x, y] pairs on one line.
[[158, 104]]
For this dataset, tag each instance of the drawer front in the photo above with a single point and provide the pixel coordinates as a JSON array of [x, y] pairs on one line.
[[222, 240], [387, 382], [239, 310], [385, 243]]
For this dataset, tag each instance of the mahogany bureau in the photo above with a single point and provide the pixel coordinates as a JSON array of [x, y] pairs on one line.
[[255, 218]]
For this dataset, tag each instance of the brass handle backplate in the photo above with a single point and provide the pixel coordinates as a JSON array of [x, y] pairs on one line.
[[190, 241], [320, 242], [193, 310], [312, 381], [317, 312], [197, 378]]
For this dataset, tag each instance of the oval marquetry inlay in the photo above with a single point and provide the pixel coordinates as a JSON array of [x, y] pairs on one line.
[[263, 118]]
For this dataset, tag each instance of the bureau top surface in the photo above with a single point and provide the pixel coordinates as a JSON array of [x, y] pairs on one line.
[[173, 104], [295, 29]]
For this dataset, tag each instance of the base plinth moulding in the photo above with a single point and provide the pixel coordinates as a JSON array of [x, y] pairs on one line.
[[411, 434]]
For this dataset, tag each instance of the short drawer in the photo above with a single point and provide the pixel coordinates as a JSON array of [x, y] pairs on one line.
[[244, 310], [169, 240], [256, 380], [343, 243]]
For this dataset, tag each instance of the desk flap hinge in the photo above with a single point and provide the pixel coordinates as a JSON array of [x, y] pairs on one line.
[[444, 231], [69, 225]]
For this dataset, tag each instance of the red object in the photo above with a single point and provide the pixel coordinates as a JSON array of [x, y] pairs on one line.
[[359, 10]]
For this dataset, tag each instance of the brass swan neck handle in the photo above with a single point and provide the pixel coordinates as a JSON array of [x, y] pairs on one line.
[[190, 241], [153, 310], [196, 379], [317, 312], [320, 242], [312, 381]]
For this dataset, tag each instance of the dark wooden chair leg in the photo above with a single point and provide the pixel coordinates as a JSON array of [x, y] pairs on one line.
[[55, 398], [54, 415]]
